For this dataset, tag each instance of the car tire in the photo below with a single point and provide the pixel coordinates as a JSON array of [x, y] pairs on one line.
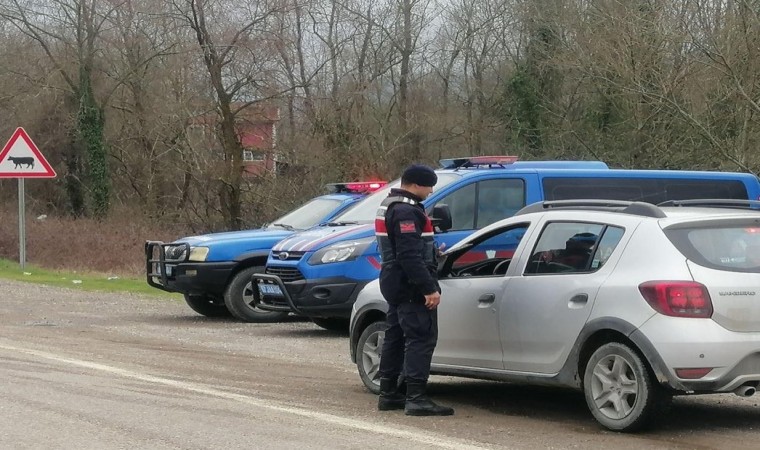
[[238, 296], [331, 324], [620, 390], [205, 306], [369, 347]]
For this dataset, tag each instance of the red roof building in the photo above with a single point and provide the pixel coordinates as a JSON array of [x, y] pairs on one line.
[[257, 131]]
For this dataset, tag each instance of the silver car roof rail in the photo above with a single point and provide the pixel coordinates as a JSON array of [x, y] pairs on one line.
[[622, 206], [715, 203]]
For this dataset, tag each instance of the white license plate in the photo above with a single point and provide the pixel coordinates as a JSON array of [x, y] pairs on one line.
[[270, 289]]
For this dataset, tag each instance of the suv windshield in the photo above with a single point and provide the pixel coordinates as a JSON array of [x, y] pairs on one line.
[[366, 210], [734, 248], [308, 215]]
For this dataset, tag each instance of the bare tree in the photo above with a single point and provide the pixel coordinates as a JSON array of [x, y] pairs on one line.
[[145, 50], [230, 37]]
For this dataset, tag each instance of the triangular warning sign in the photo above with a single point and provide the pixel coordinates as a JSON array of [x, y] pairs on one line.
[[20, 158]]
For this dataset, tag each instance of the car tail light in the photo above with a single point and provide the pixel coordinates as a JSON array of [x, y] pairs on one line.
[[678, 298]]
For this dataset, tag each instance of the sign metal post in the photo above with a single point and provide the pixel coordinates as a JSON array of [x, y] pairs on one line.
[[21, 225]]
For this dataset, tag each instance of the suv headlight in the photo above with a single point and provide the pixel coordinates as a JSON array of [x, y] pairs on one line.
[[176, 252], [341, 251], [198, 254]]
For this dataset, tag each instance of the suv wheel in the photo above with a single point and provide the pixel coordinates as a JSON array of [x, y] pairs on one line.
[[205, 306], [619, 390], [239, 299], [368, 351]]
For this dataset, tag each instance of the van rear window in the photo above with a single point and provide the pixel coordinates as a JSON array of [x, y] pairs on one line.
[[651, 190], [735, 248]]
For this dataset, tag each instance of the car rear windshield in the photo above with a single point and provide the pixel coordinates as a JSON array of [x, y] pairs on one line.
[[733, 248]]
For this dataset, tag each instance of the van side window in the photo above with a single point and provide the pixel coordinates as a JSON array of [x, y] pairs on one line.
[[566, 247], [499, 199], [652, 190]]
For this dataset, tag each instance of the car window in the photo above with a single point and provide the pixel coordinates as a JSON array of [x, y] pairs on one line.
[[610, 239], [653, 190], [461, 204], [569, 247], [499, 199], [732, 248], [489, 256]]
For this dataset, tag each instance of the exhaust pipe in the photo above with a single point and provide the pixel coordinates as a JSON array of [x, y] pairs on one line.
[[745, 391]]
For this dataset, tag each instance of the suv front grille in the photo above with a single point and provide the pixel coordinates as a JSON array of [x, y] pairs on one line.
[[287, 256], [286, 274]]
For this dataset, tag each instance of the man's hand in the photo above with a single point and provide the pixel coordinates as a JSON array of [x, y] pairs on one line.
[[432, 300]]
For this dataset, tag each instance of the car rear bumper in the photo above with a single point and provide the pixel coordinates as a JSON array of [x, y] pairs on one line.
[[324, 298], [681, 343]]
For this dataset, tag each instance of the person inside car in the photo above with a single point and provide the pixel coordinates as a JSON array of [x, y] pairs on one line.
[[577, 252]]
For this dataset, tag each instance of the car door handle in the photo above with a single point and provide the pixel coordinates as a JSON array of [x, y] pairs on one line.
[[578, 301], [487, 298]]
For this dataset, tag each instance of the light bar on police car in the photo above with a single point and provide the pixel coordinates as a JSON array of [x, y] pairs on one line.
[[475, 161], [356, 186]]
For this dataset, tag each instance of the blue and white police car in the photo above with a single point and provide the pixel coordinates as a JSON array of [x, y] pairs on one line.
[[213, 271]]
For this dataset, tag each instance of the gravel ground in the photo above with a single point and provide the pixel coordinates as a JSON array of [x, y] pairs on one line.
[[94, 370]]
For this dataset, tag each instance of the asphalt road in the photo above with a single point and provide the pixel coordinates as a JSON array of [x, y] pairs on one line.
[[114, 371]]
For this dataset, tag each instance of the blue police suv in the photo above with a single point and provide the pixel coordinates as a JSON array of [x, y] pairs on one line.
[[319, 272], [213, 271]]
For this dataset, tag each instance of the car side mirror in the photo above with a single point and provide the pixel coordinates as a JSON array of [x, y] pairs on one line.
[[441, 218]]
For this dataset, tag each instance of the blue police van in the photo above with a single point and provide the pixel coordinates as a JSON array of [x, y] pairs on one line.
[[213, 271], [319, 272]]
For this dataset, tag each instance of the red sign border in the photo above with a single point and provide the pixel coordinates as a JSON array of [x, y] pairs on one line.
[[21, 133]]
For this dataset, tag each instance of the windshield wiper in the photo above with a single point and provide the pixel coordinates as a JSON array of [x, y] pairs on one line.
[[284, 225], [342, 223]]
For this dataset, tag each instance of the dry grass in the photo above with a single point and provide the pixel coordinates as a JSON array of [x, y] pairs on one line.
[[114, 246]]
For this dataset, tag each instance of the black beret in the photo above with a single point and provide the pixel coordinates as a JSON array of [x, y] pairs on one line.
[[419, 175]]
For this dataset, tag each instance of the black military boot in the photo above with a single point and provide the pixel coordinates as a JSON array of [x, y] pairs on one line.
[[390, 398], [419, 404]]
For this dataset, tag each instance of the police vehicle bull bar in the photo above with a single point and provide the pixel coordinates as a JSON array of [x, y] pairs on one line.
[[156, 268], [261, 279], [159, 266]]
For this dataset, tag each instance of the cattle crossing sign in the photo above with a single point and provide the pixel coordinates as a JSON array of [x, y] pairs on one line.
[[20, 158]]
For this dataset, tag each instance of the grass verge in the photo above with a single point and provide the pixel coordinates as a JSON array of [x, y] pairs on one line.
[[86, 281]]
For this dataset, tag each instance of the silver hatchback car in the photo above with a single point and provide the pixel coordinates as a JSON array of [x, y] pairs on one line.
[[630, 302]]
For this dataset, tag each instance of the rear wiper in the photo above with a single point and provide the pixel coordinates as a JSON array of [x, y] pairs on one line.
[[284, 225], [342, 223]]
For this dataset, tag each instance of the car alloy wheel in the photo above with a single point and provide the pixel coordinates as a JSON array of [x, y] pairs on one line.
[[369, 348], [614, 387], [620, 390]]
